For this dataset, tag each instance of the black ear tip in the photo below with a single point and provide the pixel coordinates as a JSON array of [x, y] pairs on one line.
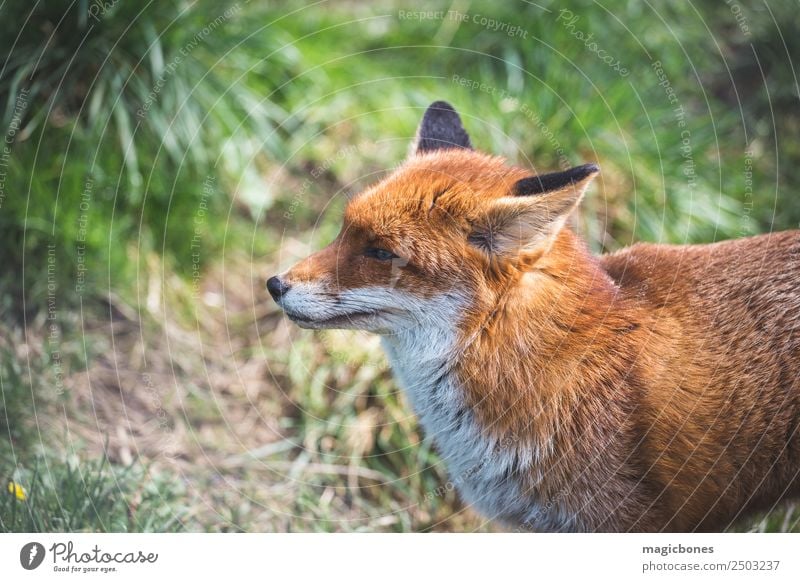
[[441, 129], [442, 112], [555, 181], [591, 169], [442, 105]]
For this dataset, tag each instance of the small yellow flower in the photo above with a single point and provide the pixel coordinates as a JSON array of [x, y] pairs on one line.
[[17, 491]]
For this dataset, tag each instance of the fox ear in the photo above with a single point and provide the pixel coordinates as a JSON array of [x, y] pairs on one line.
[[534, 212], [441, 129]]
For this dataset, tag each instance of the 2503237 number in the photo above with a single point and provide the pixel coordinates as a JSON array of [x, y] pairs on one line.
[[757, 565]]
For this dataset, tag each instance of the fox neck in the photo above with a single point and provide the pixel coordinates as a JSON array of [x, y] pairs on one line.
[[494, 390], [533, 360], [422, 357], [543, 319]]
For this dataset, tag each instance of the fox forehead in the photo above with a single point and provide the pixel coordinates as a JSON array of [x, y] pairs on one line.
[[441, 189]]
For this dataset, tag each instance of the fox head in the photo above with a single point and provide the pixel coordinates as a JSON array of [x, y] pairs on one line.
[[444, 234]]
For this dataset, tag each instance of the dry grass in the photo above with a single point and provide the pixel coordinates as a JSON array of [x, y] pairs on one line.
[[268, 428]]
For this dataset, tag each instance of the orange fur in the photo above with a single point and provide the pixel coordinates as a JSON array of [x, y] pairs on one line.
[[659, 386]]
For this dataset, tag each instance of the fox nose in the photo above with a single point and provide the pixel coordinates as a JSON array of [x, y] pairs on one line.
[[276, 287]]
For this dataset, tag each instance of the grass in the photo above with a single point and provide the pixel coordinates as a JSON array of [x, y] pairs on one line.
[[47, 488], [182, 393], [89, 496], [119, 122]]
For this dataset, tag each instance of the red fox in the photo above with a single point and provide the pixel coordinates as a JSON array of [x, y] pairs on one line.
[[653, 389]]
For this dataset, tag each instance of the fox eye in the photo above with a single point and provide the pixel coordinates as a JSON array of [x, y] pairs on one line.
[[380, 254]]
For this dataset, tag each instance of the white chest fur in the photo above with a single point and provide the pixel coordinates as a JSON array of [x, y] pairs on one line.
[[485, 470]]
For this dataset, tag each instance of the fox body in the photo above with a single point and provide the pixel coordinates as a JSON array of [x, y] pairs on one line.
[[653, 389]]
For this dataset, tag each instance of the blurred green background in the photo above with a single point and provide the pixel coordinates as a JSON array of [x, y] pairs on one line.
[[160, 160]]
